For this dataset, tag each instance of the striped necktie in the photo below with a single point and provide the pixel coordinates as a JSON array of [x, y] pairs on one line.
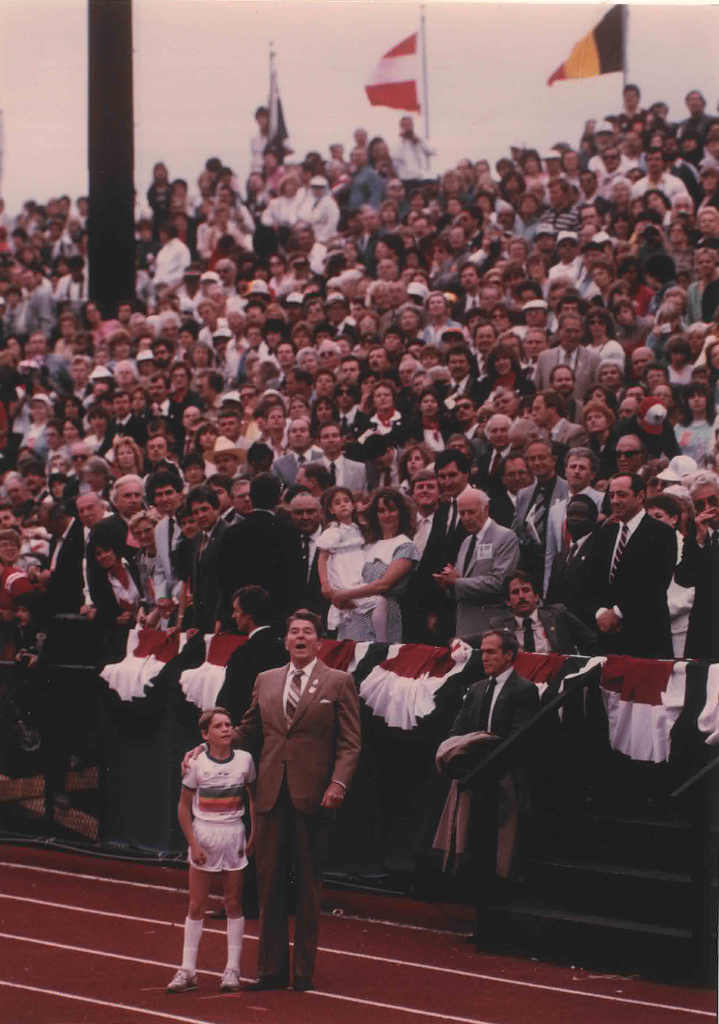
[[623, 538], [293, 696]]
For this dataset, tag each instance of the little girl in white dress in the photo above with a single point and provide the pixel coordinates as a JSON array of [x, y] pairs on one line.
[[341, 560]]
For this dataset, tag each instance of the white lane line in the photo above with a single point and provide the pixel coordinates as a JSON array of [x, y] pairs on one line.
[[94, 878], [388, 960], [112, 956], [104, 1002], [217, 974]]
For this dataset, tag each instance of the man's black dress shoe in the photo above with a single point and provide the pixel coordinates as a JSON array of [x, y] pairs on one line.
[[267, 983], [302, 984]]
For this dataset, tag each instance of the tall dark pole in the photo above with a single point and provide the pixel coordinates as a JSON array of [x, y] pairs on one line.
[[111, 154]]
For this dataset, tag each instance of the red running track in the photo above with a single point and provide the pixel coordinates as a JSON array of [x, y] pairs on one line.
[[86, 940]]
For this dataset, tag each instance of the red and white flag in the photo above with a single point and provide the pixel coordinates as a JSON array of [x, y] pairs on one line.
[[393, 81]]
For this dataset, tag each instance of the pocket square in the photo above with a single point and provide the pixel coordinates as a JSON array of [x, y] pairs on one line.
[[325, 701]]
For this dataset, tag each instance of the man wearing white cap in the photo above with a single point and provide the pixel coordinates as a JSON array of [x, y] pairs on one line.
[[320, 209], [569, 260], [535, 312]]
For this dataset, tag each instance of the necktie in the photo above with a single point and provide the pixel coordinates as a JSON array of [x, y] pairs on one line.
[[333, 472], [470, 553], [485, 706], [293, 695], [203, 545], [528, 642], [452, 520], [539, 516], [623, 538], [343, 423], [301, 459], [572, 554]]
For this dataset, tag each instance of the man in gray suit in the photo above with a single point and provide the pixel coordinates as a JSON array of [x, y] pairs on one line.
[[583, 363], [164, 491], [549, 413], [486, 556], [580, 469], [539, 630], [301, 451], [533, 506], [344, 472]]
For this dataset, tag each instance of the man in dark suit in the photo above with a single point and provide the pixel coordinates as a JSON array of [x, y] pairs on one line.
[[427, 611], [699, 568], [633, 565], [491, 463], [503, 500], [503, 702], [263, 650], [63, 580], [127, 498], [305, 717], [206, 557], [263, 550], [500, 704], [541, 630], [307, 517], [124, 422], [569, 578]]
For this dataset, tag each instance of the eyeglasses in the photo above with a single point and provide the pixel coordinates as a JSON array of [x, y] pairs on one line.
[[79, 458], [701, 503], [464, 405], [629, 453]]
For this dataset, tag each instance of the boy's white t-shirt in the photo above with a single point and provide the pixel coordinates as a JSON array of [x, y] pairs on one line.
[[219, 786]]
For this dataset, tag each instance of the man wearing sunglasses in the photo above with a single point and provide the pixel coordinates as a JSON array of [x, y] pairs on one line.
[[699, 568]]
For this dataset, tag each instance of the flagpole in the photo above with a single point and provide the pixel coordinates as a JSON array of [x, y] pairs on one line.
[[423, 34], [625, 41]]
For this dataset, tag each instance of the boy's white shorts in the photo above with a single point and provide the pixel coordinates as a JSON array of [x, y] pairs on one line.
[[223, 843]]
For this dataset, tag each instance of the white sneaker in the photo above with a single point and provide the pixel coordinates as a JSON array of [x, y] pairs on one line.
[[230, 980], [182, 982]]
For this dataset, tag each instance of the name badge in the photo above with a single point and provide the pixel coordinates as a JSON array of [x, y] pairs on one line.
[[484, 551]]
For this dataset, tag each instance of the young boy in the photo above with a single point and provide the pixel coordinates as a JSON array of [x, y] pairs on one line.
[[212, 794]]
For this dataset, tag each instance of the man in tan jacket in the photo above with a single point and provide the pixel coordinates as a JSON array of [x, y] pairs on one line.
[[306, 718]]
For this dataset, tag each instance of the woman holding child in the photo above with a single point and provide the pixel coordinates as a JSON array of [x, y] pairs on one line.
[[364, 579]]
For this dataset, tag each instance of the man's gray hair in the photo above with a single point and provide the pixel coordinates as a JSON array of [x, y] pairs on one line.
[[129, 478], [702, 478]]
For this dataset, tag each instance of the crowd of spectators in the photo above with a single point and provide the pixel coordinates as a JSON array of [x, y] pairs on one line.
[[416, 405]]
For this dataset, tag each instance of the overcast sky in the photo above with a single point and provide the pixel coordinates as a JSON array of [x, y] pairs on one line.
[[201, 69]]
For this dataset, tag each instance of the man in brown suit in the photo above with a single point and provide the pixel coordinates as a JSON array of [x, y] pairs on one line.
[[306, 718]]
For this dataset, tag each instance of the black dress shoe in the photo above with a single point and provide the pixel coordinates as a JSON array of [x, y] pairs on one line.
[[302, 984], [267, 983]]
